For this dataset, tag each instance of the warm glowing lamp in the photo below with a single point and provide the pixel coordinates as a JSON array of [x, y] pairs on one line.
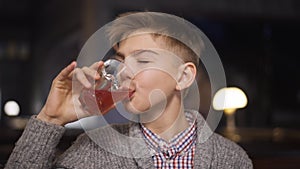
[[230, 99], [12, 108]]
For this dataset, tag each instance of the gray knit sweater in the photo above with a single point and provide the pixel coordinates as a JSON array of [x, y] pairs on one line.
[[36, 149]]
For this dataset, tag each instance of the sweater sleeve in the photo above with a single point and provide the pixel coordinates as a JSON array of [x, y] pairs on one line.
[[36, 147]]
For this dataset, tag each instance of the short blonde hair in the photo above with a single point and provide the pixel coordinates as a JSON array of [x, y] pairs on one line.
[[156, 25]]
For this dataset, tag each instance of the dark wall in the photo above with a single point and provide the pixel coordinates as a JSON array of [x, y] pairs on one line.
[[255, 41]]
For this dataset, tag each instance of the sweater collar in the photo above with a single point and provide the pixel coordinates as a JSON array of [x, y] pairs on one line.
[[204, 147]]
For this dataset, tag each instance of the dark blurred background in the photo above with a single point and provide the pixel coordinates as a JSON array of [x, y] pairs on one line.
[[257, 40]]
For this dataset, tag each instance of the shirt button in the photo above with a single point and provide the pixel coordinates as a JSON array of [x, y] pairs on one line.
[[167, 154]]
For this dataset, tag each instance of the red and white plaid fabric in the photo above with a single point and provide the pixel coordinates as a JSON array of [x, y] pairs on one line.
[[178, 152]]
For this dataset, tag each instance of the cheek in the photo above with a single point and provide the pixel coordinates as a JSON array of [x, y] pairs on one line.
[[146, 83], [154, 79]]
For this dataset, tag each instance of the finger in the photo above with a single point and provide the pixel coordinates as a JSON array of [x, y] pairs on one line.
[[91, 73], [81, 77], [66, 71], [96, 65]]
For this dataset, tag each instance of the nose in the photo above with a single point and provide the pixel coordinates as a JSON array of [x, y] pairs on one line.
[[125, 75]]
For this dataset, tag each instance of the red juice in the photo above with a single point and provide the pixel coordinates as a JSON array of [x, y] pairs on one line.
[[105, 99]]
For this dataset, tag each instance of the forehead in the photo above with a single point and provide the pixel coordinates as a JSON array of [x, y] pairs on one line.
[[136, 43]]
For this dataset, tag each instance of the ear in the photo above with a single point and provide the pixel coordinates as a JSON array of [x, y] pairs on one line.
[[186, 75]]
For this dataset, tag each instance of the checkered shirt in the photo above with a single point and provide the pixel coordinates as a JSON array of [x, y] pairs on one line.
[[178, 152]]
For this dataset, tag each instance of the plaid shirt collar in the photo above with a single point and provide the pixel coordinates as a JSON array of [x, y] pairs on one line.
[[181, 143]]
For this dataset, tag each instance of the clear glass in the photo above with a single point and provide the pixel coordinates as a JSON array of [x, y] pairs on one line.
[[107, 91]]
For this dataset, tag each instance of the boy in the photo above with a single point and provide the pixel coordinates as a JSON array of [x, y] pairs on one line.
[[166, 136]]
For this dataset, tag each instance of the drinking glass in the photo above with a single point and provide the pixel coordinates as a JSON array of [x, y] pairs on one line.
[[107, 91]]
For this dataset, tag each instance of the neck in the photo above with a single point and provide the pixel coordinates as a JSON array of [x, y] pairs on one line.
[[170, 122]]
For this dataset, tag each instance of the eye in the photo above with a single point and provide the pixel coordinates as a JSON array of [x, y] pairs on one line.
[[118, 58], [121, 60], [143, 61]]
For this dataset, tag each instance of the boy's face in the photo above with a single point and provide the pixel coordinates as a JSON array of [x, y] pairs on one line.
[[154, 69]]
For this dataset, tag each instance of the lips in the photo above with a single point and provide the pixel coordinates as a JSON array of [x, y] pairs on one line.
[[130, 94]]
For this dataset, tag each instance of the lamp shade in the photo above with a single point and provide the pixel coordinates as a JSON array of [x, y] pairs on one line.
[[229, 98]]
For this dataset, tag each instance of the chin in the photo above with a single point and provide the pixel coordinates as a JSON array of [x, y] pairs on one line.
[[135, 109]]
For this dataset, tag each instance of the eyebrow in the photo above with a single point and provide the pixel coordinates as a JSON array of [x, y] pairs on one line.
[[136, 52]]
